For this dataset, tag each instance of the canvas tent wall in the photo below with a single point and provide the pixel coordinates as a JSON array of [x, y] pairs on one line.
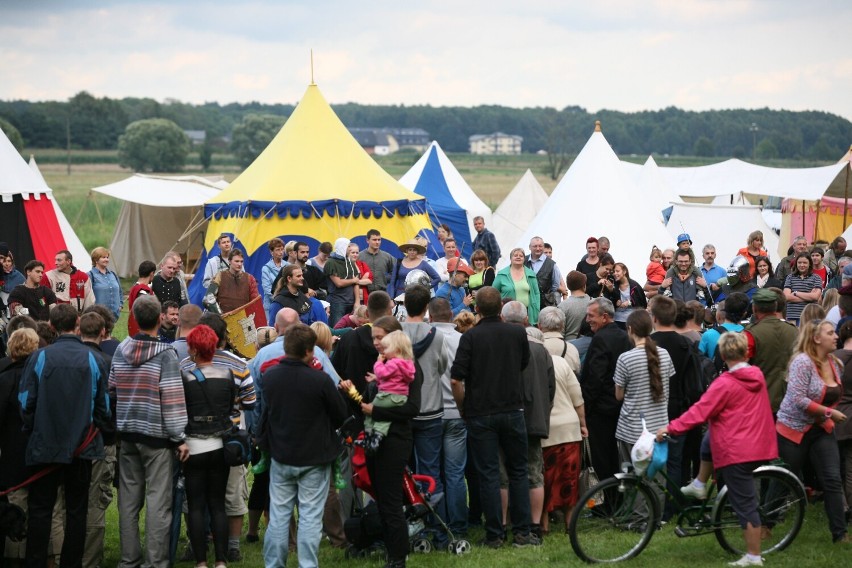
[[31, 221], [448, 196], [725, 226], [158, 214], [516, 212], [597, 197], [313, 183]]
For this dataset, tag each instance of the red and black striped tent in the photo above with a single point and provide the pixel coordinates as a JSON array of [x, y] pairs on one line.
[[31, 222]]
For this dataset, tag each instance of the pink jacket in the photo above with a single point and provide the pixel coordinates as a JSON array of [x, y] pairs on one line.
[[737, 407], [394, 375]]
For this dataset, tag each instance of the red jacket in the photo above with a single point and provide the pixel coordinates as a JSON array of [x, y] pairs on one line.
[[737, 407]]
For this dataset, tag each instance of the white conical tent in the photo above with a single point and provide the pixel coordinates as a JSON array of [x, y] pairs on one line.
[[517, 211], [725, 226], [597, 197], [448, 196], [653, 185]]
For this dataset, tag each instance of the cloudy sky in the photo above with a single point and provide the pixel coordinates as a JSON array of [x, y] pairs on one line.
[[612, 54]]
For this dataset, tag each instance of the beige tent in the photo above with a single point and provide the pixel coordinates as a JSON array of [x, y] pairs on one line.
[[160, 213]]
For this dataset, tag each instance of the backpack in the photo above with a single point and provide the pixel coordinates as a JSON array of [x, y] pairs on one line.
[[697, 374], [718, 362]]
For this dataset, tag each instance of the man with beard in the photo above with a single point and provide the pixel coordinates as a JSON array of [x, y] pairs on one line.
[[290, 295], [232, 288], [314, 280]]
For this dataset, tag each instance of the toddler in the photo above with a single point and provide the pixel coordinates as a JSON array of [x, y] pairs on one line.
[[655, 272], [393, 372]]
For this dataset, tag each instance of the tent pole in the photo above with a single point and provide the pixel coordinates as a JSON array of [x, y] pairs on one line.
[[83, 208], [803, 218], [816, 219]]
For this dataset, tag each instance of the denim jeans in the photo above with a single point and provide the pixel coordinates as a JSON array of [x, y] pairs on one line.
[[505, 431], [289, 485], [428, 439], [453, 509], [820, 449], [337, 311]]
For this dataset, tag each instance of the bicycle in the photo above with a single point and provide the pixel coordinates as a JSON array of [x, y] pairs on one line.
[[616, 519]]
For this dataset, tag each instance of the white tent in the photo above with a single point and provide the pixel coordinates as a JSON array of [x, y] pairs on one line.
[[160, 213], [597, 197], [517, 211], [435, 177], [737, 177], [725, 226]]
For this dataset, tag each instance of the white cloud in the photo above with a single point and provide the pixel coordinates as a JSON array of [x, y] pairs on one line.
[[611, 53]]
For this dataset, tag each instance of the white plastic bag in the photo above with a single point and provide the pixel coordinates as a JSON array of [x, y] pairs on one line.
[[642, 450]]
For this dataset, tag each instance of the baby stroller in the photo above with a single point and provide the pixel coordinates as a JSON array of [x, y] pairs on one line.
[[364, 531]]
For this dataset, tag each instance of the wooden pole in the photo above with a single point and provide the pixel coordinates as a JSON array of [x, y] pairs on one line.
[[845, 197]]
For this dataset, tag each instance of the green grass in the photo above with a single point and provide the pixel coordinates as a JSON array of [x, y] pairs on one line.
[[813, 547]]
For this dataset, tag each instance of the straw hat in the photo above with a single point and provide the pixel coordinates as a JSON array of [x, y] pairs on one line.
[[412, 244]]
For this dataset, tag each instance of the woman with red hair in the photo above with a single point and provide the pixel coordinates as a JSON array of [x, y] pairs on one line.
[[210, 394]]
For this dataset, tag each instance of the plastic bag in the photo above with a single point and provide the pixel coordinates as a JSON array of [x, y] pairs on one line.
[[642, 450], [659, 458]]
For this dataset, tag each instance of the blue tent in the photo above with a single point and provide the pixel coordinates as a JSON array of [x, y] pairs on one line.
[[449, 199]]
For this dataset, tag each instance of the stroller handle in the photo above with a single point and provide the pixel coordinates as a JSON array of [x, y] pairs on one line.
[[427, 479]]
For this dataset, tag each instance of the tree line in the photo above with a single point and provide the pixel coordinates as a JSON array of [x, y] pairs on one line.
[[97, 123]]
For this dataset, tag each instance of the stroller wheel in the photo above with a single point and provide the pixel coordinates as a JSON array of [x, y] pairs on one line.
[[459, 547], [421, 545]]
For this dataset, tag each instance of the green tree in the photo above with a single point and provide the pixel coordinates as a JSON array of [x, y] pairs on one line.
[[557, 142], [205, 152], [704, 147], [253, 135], [766, 150], [153, 144], [12, 134]]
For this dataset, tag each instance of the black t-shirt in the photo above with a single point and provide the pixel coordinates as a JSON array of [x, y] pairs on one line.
[[678, 347], [37, 300], [586, 268]]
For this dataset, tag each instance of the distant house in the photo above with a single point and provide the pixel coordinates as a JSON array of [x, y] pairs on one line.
[[384, 141], [495, 143], [196, 137]]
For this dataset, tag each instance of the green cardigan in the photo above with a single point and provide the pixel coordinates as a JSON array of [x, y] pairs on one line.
[[503, 282]]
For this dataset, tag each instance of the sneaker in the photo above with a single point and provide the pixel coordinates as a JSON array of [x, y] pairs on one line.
[[694, 492], [493, 544], [746, 561], [234, 555], [524, 540]]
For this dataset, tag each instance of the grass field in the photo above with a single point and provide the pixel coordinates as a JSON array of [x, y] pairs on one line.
[[813, 547]]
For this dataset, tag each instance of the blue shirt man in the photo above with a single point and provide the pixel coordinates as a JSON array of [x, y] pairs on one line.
[[454, 291]]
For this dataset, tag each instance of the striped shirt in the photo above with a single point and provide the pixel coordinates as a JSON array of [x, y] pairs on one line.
[[631, 374], [798, 283]]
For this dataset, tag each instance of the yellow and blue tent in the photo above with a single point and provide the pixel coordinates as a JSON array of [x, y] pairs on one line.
[[313, 183]]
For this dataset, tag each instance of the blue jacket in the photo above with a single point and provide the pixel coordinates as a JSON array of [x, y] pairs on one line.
[[63, 391], [455, 296]]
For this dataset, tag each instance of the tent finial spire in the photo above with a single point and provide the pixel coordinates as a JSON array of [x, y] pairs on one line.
[[312, 67], [597, 126]]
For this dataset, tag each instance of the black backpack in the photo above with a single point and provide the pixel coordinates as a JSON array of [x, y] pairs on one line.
[[697, 374], [718, 362]]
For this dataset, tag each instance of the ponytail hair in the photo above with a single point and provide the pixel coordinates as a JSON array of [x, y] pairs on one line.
[[640, 325]]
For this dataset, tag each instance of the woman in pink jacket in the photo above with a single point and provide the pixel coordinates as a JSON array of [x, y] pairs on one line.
[[743, 434]]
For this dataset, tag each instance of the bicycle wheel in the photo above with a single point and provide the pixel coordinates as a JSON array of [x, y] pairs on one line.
[[618, 528], [781, 505]]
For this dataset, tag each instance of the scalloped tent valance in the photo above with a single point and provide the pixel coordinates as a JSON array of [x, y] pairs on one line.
[[317, 209]]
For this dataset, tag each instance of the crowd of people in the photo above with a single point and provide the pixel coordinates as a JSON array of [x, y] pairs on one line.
[[488, 381]]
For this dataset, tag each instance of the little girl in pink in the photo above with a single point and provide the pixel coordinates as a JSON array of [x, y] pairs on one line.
[[394, 371]]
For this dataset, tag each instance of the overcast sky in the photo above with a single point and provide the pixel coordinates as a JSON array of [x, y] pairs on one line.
[[614, 54]]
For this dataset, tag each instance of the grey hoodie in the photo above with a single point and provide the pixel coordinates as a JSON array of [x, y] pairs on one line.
[[433, 360]]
